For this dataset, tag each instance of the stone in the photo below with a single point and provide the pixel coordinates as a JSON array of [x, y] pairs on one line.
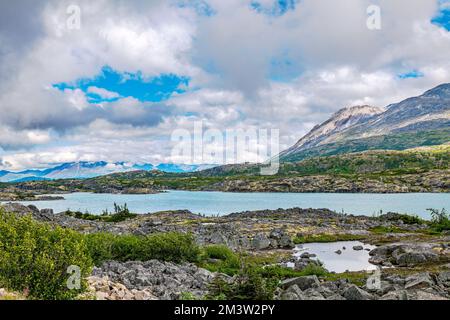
[[424, 295], [358, 248], [286, 242], [313, 294], [34, 209], [303, 283], [101, 295], [405, 254], [261, 242], [47, 212], [419, 281], [410, 259], [395, 295], [336, 297], [292, 293], [444, 278], [150, 280], [355, 293], [338, 252]]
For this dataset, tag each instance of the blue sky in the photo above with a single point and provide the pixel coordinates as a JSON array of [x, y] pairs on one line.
[[411, 74], [134, 85], [443, 18], [277, 8]]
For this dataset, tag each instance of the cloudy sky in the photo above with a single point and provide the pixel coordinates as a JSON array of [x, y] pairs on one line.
[[134, 71]]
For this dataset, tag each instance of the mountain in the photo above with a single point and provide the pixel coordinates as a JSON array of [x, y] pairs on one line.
[[416, 121], [341, 120], [84, 169]]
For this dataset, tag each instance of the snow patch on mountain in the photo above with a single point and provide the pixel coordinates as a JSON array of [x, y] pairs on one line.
[[83, 170]]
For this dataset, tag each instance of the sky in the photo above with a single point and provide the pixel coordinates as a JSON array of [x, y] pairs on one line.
[[118, 84]]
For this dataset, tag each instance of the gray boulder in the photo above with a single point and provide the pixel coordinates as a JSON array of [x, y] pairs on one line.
[[419, 281], [164, 280], [261, 242], [395, 295], [355, 293], [444, 278], [303, 283], [404, 254], [313, 294], [292, 293]]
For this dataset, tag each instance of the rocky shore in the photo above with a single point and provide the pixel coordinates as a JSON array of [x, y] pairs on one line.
[[432, 181], [421, 259], [4, 197], [253, 230]]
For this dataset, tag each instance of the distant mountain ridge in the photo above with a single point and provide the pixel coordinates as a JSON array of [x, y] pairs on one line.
[[341, 120], [85, 169], [413, 122]]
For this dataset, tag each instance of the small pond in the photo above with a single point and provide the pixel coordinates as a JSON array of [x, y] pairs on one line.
[[348, 260]]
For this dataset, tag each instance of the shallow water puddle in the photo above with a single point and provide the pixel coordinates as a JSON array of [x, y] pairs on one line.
[[348, 260]]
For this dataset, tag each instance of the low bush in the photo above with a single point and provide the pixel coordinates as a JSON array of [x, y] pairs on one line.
[[282, 273], [411, 219], [171, 246], [383, 230], [248, 284], [327, 238], [254, 281], [219, 258], [121, 213], [35, 258], [440, 220]]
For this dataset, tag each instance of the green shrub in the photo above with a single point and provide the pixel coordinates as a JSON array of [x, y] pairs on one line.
[[407, 218], [219, 258], [121, 213], [440, 220], [411, 219], [249, 284], [171, 246], [327, 238], [35, 257], [282, 273], [253, 281], [383, 230]]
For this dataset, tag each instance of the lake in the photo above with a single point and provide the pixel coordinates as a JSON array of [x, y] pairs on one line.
[[221, 203]]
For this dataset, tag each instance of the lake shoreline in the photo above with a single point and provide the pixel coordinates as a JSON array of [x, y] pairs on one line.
[[213, 203]]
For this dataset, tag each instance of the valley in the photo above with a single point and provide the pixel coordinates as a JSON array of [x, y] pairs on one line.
[[250, 236]]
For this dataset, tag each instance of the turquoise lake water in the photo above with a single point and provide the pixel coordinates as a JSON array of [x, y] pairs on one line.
[[220, 203]]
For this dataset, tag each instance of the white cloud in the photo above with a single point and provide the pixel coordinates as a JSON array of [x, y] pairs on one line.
[[332, 58], [103, 93]]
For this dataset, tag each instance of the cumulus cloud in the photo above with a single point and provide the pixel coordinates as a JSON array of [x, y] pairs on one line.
[[247, 68], [103, 93]]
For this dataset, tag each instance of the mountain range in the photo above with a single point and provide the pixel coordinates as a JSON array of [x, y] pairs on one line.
[[414, 122], [84, 169]]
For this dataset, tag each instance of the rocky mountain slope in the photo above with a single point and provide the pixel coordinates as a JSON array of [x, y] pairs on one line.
[[341, 120], [416, 121]]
